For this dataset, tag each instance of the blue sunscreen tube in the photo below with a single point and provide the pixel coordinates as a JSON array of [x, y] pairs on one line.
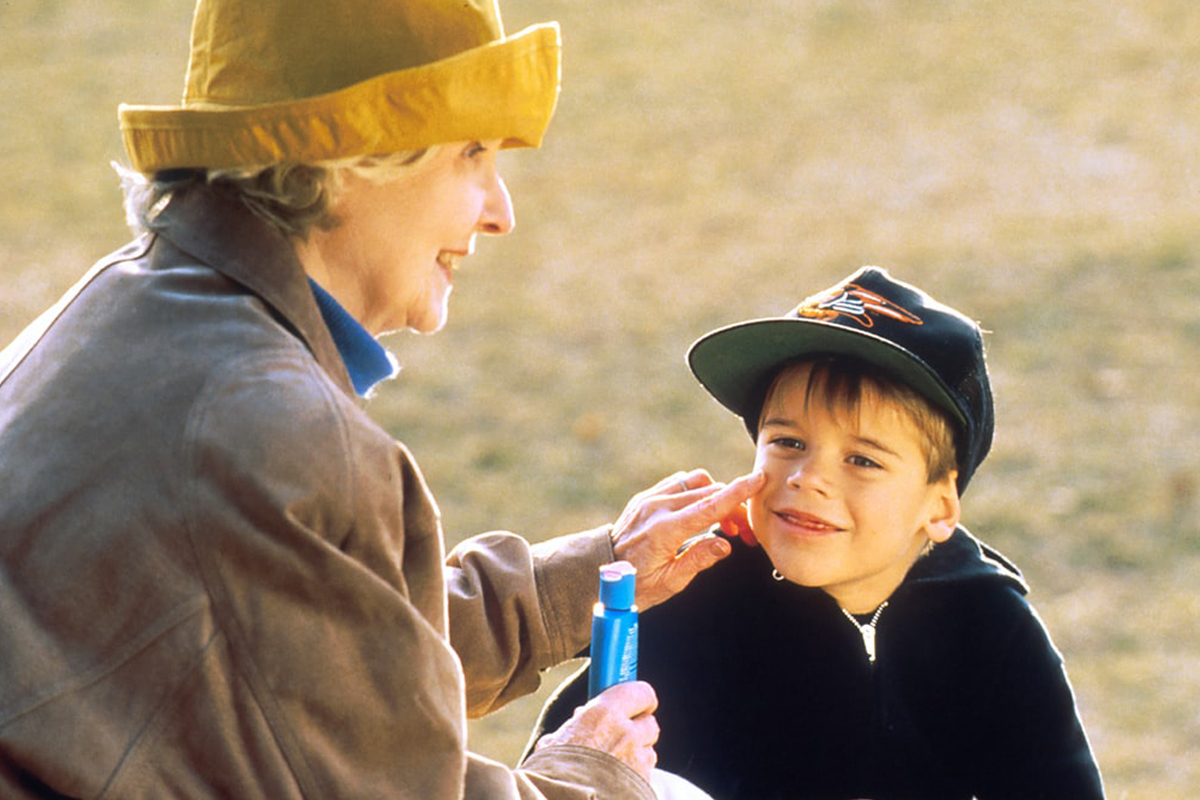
[[614, 629]]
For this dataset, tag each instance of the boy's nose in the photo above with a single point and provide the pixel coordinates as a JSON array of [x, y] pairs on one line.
[[809, 476]]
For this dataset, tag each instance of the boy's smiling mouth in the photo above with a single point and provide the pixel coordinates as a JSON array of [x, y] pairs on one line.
[[804, 523]]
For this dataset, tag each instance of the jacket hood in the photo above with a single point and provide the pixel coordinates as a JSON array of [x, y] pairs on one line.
[[964, 558]]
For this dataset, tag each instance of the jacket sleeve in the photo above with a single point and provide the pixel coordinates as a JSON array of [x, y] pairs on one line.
[[321, 552], [1034, 746], [516, 610]]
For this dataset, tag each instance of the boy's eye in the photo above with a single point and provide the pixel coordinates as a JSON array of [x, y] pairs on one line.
[[863, 461], [787, 443], [474, 149]]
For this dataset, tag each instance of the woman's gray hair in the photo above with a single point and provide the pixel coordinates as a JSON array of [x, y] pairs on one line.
[[292, 198]]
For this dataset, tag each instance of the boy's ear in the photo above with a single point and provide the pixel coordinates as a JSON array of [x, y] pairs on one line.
[[946, 510]]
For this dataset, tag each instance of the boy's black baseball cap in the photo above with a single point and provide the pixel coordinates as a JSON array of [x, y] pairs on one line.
[[876, 319]]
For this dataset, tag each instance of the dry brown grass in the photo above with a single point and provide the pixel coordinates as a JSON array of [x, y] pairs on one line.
[[1033, 163]]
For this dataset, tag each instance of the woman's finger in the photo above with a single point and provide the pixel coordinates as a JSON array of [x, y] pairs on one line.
[[711, 509]]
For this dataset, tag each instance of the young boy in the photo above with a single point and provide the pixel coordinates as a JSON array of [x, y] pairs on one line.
[[859, 642]]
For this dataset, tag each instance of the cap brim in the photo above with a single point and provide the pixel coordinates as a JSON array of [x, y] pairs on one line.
[[733, 362], [503, 90]]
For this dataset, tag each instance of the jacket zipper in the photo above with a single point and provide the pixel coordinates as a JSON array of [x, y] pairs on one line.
[[867, 631]]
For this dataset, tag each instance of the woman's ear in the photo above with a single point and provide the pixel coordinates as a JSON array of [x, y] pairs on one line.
[[945, 509]]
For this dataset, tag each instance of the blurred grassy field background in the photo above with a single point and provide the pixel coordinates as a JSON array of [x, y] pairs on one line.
[[1033, 163]]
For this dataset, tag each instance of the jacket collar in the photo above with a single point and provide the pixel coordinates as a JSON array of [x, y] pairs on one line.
[[367, 361], [219, 231]]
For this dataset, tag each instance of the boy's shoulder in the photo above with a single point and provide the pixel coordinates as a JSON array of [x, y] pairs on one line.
[[964, 559], [972, 596]]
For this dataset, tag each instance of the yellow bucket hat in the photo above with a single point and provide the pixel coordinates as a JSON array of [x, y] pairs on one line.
[[312, 80]]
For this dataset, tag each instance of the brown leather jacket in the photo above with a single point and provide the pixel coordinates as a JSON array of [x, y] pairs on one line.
[[220, 578]]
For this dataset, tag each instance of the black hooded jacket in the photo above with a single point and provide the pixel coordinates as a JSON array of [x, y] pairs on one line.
[[766, 691]]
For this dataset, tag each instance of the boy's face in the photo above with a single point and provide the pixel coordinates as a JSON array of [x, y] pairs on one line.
[[847, 506]]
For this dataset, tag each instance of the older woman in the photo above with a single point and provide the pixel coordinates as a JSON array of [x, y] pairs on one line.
[[218, 577]]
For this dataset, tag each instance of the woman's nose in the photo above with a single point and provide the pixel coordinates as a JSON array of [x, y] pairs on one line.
[[497, 216]]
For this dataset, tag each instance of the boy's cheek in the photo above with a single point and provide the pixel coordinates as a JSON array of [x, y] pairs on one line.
[[755, 511]]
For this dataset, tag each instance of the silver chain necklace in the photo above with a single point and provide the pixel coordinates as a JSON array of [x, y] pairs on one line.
[[868, 630]]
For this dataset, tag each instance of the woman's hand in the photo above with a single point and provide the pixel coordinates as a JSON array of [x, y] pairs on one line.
[[620, 721], [659, 521]]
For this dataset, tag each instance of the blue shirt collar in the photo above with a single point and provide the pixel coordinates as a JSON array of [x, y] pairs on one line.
[[366, 360]]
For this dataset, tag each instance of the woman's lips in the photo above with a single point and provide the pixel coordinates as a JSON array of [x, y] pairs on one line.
[[450, 261]]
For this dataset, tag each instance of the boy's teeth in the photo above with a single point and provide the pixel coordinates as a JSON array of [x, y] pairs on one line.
[[449, 260]]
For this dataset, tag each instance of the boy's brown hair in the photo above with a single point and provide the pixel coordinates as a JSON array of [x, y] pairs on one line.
[[840, 383]]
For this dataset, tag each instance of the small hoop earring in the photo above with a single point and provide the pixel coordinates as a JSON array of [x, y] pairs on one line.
[[775, 574]]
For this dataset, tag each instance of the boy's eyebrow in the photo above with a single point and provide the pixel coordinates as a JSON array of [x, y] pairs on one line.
[[778, 421], [877, 445]]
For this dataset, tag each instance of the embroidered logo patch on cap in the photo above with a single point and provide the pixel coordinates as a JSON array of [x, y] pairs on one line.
[[855, 302]]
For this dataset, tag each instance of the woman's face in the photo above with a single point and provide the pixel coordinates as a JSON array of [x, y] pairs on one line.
[[847, 506], [391, 259]]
